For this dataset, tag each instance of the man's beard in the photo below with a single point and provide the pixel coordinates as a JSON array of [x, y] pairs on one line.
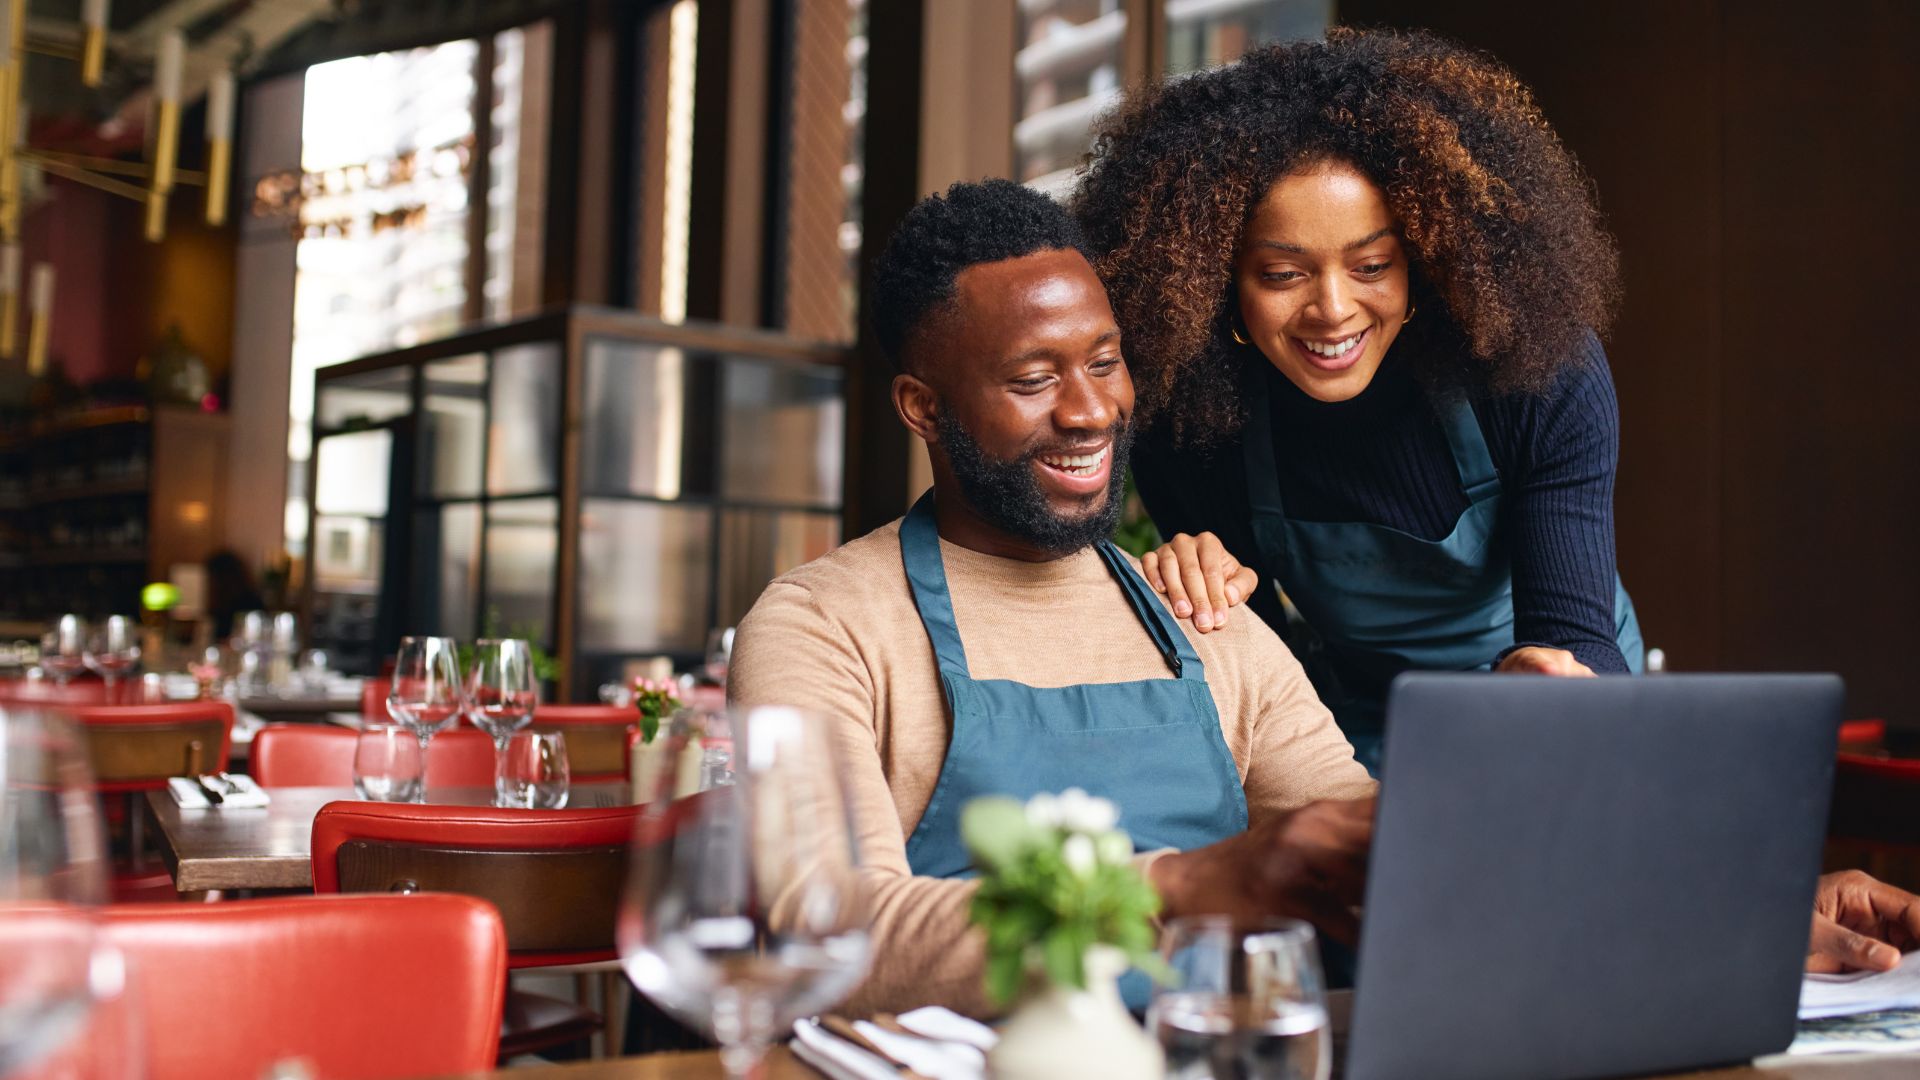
[[1008, 495]]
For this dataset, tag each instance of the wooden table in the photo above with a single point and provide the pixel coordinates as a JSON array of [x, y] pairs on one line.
[[782, 1065], [270, 847]]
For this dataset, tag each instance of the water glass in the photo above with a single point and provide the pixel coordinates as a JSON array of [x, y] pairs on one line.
[[63, 649], [113, 649], [1247, 1002], [501, 694], [743, 909], [389, 765], [426, 696], [532, 771]]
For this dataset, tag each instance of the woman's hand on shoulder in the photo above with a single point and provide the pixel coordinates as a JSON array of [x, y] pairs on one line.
[[1539, 660], [1200, 578]]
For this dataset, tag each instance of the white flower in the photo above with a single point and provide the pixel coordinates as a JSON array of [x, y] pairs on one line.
[[1079, 854], [1043, 811], [1083, 813], [1114, 847]]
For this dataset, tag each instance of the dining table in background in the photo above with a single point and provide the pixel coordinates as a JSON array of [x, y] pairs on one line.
[[271, 847]]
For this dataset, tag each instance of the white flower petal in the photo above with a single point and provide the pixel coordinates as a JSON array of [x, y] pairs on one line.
[[1079, 854]]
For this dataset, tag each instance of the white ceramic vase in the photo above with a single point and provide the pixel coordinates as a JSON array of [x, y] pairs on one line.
[[1060, 1033]]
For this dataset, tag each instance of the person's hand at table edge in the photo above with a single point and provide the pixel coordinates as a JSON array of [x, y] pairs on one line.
[[1200, 578], [1540, 660], [1861, 924], [1309, 864]]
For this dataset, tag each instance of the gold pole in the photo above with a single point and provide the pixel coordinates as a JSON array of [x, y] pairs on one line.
[[93, 56], [9, 298], [166, 146], [42, 315], [219, 153]]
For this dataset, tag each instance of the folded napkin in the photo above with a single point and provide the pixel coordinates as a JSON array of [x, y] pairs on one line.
[[944, 1045], [237, 792]]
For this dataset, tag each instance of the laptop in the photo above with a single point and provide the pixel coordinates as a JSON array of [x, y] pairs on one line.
[[1578, 878]]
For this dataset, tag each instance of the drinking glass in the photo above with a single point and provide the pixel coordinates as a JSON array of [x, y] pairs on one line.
[[501, 693], [389, 764], [743, 910], [52, 873], [426, 696], [1247, 1002], [113, 649], [63, 649], [719, 654], [532, 771]]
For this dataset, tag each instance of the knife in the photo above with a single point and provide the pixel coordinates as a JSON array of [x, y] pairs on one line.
[[214, 798]]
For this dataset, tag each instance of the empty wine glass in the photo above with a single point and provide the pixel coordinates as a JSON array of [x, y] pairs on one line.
[[1248, 1002], [743, 910], [63, 649], [389, 764], [533, 771], [719, 654], [52, 873], [501, 693], [113, 649], [426, 696]]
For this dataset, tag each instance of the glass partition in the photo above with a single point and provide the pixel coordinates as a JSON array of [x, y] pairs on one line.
[[705, 462]]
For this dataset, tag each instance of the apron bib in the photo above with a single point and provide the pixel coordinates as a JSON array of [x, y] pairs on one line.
[[1379, 601]]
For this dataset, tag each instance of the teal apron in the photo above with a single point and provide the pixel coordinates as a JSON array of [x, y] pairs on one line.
[[1154, 747], [1379, 601]]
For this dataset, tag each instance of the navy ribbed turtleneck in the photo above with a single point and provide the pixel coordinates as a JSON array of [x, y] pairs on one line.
[[1382, 458]]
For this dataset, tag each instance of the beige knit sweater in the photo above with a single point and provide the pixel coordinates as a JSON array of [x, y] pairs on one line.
[[841, 636]]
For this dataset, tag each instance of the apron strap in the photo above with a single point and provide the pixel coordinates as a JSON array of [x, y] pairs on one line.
[[927, 577], [1478, 477], [1152, 613]]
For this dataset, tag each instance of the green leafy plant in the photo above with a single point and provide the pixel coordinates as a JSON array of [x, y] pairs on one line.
[[545, 667], [1056, 878], [656, 699]]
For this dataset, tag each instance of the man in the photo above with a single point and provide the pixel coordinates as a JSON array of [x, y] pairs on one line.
[[991, 642]]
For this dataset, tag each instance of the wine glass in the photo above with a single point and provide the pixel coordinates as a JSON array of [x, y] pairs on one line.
[[63, 649], [743, 910], [113, 649], [1247, 1002], [52, 873], [426, 696], [533, 771], [501, 694], [719, 655]]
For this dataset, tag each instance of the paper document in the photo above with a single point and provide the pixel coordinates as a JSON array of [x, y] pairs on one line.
[[1862, 991]]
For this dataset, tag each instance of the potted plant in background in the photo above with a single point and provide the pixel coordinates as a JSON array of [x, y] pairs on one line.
[[1064, 913]]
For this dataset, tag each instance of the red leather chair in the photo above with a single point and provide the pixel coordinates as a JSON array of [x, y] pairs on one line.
[[1874, 823], [1862, 735], [134, 749], [596, 737], [554, 875], [313, 755], [360, 986]]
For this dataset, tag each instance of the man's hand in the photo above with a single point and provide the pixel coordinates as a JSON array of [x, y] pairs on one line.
[[1310, 864], [1201, 579], [1538, 660], [1861, 924]]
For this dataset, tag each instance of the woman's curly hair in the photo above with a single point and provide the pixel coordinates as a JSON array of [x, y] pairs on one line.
[[1511, 266]]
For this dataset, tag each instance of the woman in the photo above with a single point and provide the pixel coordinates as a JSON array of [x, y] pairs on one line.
[[1360, 283]]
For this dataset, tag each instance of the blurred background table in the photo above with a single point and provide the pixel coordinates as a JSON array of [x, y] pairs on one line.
[[270, 847]]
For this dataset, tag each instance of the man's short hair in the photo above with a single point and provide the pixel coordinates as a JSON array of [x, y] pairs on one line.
[[972, 223]]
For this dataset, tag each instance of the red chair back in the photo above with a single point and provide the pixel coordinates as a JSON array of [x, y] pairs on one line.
[[136, 747], [554, 875], [229, 989], [316, 755], [596, 737]]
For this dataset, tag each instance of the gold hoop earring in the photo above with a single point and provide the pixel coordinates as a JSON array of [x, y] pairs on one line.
[[1233, 327], [1411, 309]]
